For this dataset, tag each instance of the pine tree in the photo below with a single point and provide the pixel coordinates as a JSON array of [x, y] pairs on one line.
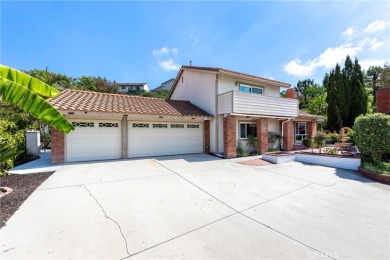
[[348, 71], [358, 93]]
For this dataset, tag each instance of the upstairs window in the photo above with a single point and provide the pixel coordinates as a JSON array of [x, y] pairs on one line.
[[251, 89], [247, 129]]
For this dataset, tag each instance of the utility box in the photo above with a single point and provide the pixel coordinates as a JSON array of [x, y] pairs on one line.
[[33, 142]]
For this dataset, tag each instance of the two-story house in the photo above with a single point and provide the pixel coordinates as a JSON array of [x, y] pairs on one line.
[[129, 88], [243, 105], [208, 111]]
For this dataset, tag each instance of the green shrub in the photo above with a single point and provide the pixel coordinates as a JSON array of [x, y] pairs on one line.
[[379, 167], [372, 135], [239, 149], [252, 142], [334, 137], [273, 149], [308, 142], [319, 139]]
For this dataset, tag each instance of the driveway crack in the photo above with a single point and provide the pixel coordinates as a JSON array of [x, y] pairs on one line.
[[106, 216]]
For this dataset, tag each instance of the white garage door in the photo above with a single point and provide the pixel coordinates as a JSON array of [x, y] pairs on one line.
[[162, 138], [93, 140]]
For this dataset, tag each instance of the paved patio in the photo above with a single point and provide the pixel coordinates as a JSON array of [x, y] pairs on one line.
[[199, 206]]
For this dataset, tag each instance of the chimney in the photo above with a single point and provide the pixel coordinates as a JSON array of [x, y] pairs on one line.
[[190, 62], [290, 93]]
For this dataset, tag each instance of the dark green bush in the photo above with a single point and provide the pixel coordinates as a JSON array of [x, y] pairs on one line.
[[308, 142], [372, 135]]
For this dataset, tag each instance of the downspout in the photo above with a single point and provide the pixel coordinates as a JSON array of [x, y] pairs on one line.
[[281, 145], [216, 119]]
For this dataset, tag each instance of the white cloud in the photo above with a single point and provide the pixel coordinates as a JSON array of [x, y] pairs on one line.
[[165, 51], [358, 41], [295, 68], [349, 31], [331, 56], [377, 26], [327, 59], [169, 65], [375, 44], [365, 64]]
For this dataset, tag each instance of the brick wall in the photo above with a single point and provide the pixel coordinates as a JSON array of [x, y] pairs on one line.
[[311, 129], [57, 146], [290, 93], [288, 136], [262, 135], [229, 137], [206, 136], [383, 100]]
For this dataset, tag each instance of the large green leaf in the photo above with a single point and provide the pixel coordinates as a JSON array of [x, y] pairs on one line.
[[8, 152], [33, 104], [31, 83]]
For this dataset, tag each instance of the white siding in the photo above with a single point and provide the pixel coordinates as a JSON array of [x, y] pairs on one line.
[[274, 125], [252, 104], [225, 103], [198, 88], [226, 84]]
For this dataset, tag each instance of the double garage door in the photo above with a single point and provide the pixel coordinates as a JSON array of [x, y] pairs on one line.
[[101, 140]]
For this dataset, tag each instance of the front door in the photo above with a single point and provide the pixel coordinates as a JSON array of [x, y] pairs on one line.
[[300, 132]]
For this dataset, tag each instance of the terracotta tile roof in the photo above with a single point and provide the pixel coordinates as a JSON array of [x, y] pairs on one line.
[[76, 100], [220, 70]]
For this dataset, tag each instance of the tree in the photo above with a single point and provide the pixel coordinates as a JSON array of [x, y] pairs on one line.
[[302, 90], [29, 93], [104, 85], [55, 80], [358, 95], [84, 83], [346, 95], [336, 99]]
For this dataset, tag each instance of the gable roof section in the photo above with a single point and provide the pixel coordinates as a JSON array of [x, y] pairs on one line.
[[77, 100], [228, 72]]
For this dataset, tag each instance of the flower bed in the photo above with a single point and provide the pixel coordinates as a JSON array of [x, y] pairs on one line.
[[383, 178]]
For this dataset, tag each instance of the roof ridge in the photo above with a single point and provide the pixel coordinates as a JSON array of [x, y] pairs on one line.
[[105, 93], [232, 71]]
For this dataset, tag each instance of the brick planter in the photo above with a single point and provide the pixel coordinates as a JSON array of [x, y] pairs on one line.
[[382, 178]]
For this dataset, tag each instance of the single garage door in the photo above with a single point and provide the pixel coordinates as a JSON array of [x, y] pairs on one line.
[[164, 138], [93, 140]]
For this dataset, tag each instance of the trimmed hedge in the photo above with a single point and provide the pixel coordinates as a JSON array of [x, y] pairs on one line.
[[372, 135]]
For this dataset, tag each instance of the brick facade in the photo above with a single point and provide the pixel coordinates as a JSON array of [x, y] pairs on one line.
[[262, 135], [383, 100], [311, 129], [206, 136], [57, 146], [229, 137], [288, 136]]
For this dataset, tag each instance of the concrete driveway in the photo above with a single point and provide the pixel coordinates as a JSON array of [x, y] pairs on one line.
[[198, 206]]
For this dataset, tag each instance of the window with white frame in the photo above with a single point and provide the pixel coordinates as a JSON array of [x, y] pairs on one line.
[[247, 129], [251, 89]]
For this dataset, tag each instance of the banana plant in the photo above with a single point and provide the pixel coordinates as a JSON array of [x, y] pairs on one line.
[[29, 93], [7, 154]]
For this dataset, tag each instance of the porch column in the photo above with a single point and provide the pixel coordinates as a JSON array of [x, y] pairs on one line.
[[288, 136], [206, 136], [311, 129], [57, 146], [262, 135], [124, 133], [229, 137]]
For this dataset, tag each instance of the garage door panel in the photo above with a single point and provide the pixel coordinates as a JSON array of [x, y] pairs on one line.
[[94, 143], [150, 141]]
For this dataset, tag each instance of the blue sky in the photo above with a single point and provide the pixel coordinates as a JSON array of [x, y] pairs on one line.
[[149, 41]]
